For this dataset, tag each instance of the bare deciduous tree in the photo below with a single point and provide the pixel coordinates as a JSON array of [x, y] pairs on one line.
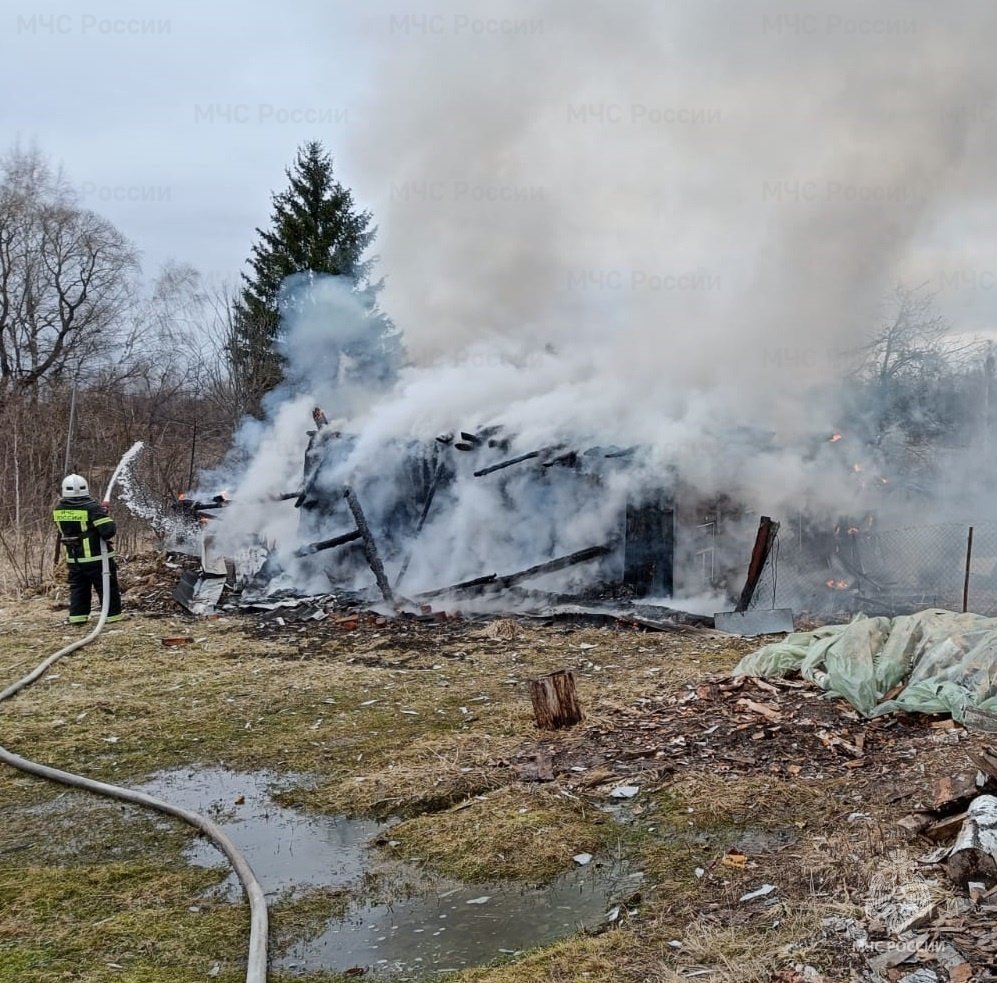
[[66, 275]]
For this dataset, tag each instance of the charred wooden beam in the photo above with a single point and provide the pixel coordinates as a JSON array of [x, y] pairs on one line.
[[543, 451], [478, 583], [568, 460], [326, 544], [559, 563], [369, 545], [764, 539], [493, 581], [308, 486]]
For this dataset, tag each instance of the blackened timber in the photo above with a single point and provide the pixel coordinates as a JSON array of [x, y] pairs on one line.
[[493, 581], [551, 566], [516, 460], [309, 484], [478, 583], [327, 544], [764, 539], [649, 548], [369, 545]]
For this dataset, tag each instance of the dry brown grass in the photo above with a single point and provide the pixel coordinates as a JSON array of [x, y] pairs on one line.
[[412, 722], [520, 832]]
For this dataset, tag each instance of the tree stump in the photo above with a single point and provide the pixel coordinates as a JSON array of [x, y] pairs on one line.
[[555, 700]]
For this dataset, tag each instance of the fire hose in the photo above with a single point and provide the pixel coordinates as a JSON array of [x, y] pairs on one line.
[[256, 968]]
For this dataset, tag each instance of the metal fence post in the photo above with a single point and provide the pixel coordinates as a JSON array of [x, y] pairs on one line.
[[969, 561]]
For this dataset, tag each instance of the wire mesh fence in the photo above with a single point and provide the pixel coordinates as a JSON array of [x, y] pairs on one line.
[[881, 571]]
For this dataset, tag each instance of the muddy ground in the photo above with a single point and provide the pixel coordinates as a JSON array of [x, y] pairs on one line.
[[770, 825]]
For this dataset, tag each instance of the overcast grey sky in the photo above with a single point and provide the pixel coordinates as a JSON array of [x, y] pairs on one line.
[[603, 159], [176, 121]]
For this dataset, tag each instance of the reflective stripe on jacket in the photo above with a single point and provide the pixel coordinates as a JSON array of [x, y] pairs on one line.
[[82, 525]]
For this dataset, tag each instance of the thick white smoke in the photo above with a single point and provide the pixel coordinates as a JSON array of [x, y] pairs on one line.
[[668, 225]]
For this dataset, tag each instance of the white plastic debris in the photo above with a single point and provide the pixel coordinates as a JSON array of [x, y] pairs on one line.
[[482, 900], [613, 914], [760, 893], [582, 859], [624, 792]]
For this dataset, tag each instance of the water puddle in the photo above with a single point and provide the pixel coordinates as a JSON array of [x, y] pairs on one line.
[[459, 927], [285, 848], [435, 925]]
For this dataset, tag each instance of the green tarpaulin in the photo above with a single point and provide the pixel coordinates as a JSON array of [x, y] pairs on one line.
[[945, 662]]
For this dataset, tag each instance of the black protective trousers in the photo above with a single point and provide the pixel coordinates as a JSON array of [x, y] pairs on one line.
[[84, 579]]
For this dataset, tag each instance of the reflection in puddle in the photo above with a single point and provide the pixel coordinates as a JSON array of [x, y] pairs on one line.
[[445, 925]]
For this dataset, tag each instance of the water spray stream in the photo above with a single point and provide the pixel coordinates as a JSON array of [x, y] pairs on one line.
[[256, 969]]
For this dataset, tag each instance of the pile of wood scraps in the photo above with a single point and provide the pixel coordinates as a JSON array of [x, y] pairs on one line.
[[737, 726]]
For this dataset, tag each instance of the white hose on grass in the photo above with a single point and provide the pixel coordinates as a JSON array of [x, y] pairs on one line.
[[256, 968]]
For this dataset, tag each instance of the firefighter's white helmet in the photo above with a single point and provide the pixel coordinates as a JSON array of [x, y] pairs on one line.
[[75, 486]]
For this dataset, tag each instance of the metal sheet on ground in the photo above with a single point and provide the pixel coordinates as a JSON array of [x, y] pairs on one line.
[[751, 623]]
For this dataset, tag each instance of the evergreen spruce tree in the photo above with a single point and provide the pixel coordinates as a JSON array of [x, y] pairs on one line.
[[314, 228]]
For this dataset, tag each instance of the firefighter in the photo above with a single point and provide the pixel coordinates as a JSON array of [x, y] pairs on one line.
[[83, 523]]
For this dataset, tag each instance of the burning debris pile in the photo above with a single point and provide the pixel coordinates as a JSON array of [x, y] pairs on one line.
[[393, 534], [470, 518]]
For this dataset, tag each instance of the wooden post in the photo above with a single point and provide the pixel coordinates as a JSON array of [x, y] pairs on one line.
[[764, 538], [555, 700], [969, 562]]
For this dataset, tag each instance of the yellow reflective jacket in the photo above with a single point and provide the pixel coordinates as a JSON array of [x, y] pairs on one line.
[[83, 523]]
